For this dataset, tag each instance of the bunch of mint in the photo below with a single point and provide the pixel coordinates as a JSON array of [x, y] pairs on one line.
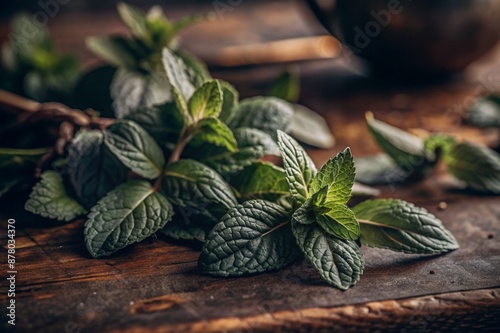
[[260, 235], [193, 169], [186, 158], [134, 77], [409, 156]]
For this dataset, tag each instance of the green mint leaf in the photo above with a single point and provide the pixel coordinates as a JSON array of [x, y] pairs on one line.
[[252, 145], [286, 86], [306, 214], [318, 199], [401, 226], [379, 170], [215, 132], [126, 215], [49, 199], [339, 262], [131, 90], [206, 101], [180, 82], [251, 238], [258, 140], [163, 122], [93, 169], [310, 128], [135, 148], [134, 19], [299, 167], [195, 186], [338, 174], [267, 114], [406, 149], [484, 113], [115, 50], [340, 222], [261, 181], [478, 166], [230, 102]]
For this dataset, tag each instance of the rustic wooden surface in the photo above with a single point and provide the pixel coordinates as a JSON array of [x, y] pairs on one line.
[[155, 286]]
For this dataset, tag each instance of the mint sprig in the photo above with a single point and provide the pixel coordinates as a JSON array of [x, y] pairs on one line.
[[322, 226], [408, 155]]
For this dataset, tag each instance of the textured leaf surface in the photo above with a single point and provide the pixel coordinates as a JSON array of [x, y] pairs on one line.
[[252, 145], [401, 226], [131, 90], [340, 221], [299, 167], [305, 214], [339, 262], [93, 170], [127, 215], [261, 181], [49, 199], [195, 186], [478, 166], [267, 114], [338, 174], [251, 238], [215, 132], [206, 101], [135, 148], [163, 122]]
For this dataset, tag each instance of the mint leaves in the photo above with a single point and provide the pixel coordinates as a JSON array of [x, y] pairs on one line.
[[260, 235], [338, 261], [251, 238], [135, 148], [185, 158], [401, 226], [299, 167], [49, 199], [126, 215], [408, 155]]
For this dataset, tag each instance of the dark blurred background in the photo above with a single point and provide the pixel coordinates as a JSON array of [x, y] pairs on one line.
[[9, 8]]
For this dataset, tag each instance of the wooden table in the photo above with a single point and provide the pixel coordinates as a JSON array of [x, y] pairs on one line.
[[155, 286]]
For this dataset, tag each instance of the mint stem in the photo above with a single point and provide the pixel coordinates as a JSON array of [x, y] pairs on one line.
[[184, 139]]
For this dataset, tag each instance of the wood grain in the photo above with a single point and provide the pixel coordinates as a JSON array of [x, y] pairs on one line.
[[473, 311]]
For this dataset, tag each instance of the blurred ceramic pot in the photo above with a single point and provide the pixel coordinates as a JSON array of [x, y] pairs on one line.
[[413, 36]]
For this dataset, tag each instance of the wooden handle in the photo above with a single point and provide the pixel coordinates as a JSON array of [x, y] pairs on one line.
[[282, 51]]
